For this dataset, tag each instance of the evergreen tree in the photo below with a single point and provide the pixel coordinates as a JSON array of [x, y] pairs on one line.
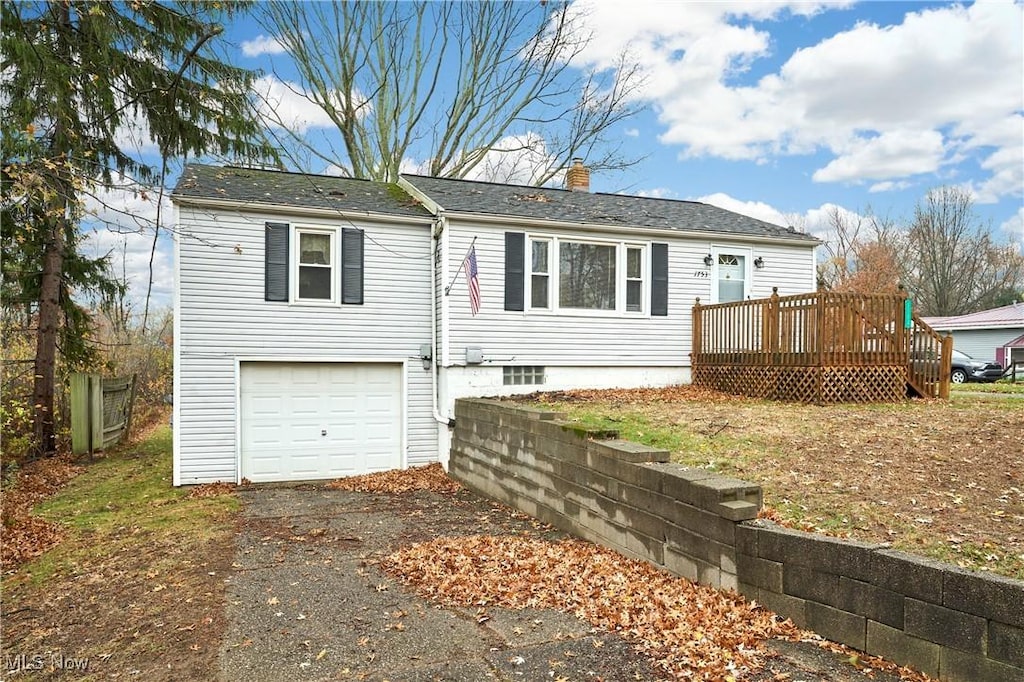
[[77, 78]]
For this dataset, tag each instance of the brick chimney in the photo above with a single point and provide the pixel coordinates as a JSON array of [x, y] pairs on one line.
[[577, 178]]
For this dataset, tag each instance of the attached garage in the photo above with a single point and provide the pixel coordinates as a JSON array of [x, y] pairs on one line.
[[314, 420]]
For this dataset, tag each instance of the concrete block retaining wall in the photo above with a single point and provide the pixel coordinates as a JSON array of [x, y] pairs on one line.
[[946, 622]]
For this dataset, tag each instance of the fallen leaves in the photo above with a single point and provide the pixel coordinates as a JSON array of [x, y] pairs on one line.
[[431, 477], [212, 489], [666, 394], [689, 629], [27, 536]]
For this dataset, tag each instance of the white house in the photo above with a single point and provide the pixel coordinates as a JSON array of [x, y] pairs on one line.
[[324, 326], [996, 333]]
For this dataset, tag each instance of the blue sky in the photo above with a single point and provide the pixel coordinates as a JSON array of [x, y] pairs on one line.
[[782, 110]]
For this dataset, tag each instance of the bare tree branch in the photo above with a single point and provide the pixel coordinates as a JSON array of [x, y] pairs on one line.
[[452, 82]]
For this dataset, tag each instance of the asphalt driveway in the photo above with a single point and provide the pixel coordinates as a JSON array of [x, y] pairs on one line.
[[307, 602]]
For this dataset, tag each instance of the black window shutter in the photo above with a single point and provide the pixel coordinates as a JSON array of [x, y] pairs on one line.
[[659, 279], [275, 267], [515, 270], [352, 266]]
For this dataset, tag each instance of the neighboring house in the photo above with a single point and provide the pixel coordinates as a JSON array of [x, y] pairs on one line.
[[324, 325], [996, 334]]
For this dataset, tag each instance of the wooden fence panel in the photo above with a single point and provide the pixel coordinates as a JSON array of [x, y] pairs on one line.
[[101, 411]]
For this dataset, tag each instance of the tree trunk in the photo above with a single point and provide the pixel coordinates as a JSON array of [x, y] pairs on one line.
[[52, 275], [46, 337]]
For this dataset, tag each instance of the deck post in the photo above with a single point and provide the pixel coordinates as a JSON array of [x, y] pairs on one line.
[[945, 366], [903, 336], [695, 339]]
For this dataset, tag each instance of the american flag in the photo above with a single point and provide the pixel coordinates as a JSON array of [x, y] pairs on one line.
[[474, 281]]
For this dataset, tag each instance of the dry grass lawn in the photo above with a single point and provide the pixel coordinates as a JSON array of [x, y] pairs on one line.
[[941, 479]]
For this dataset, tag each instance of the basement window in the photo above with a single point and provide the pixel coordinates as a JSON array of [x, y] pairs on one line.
[[522, 376]]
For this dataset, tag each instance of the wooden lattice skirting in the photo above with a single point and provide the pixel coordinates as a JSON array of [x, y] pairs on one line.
[[821, 385]]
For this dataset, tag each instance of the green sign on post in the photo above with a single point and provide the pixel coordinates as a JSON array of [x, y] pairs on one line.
[[908, 313]]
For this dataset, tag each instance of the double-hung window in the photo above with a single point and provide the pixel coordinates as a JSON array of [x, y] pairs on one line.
[[316, 267], [569, 275], [540, 274], [635, 279]]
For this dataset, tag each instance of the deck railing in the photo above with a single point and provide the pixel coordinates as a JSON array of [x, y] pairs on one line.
[[819, 330]]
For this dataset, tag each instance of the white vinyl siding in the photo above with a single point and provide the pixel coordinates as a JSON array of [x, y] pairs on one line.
[[597, 338], [222, 318], [981, 344]]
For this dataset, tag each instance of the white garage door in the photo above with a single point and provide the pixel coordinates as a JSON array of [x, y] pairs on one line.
[[303, 420]]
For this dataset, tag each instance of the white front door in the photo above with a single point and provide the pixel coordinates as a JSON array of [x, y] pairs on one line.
[[304, 420], [730, 273]]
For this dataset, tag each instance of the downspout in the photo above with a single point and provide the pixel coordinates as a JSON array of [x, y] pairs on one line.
[[440, 224]]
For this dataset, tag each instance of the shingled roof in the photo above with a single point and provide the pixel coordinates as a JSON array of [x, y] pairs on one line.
[[485, 198], [256, 186], [278, 188]]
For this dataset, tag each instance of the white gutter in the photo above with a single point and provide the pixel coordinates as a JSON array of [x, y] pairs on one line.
[[439, 226]]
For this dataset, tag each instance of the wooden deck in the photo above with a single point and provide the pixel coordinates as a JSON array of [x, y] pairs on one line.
[[821, 347]]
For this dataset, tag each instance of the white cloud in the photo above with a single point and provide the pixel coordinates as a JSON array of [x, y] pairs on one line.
[[127, 206], [261, 45], [632, 132], [133, 136], [814, 221], [284, 104], [1013, 228], [514, 159], [753, 209], [129, 258], [818, 221], [888, 186], [1007, 167], [886, 102], [120, 222], [517, 160], [893, 154], [337, 171], [657, 193]]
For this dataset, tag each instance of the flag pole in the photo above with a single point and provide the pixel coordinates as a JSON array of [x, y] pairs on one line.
[[462, 266]]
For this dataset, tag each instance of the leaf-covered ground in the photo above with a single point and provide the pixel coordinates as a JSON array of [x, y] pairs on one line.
[[27, 535], [690, 631], [942, 479], [430, 477], [135, 584]]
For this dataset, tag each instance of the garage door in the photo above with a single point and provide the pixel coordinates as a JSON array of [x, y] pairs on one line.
[[302, 421]]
